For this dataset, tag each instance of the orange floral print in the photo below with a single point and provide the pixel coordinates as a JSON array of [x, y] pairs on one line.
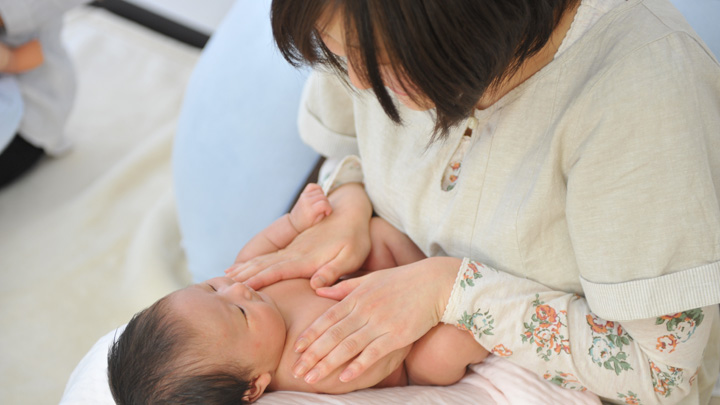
[[598, 325], [565, 380], [630, 398], [667, 342], [680, 327], [546, 329], [661, 387], [501, 351], [546, 315], [470, 274], [608, 342], [665, 381]]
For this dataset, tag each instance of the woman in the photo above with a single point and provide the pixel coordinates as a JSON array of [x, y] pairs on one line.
[[569, 153]]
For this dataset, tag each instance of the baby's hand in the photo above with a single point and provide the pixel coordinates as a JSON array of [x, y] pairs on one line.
[[312, 206], [21, 59]]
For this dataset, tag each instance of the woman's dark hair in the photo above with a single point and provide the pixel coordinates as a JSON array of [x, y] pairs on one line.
[[151, 363], [451, 51]]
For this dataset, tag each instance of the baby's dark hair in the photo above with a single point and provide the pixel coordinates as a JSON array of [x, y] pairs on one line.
[[157, 360]]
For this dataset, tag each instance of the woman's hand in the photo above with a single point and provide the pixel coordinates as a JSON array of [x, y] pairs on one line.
[[379, 313], [336, 246]]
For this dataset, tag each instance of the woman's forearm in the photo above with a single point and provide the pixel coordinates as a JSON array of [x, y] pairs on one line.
[[335, 246], [351, 200]]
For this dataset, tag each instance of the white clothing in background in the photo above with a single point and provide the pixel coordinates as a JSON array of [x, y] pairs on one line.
[[48, 90]]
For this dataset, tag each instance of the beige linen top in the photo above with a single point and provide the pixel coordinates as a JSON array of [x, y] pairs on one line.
[[591, 191]]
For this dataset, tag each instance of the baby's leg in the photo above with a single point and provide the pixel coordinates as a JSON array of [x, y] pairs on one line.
[[311, 207], [441, 356], [389, 247]]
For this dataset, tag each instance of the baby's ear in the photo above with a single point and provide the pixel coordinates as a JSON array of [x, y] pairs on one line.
[[257, 387]]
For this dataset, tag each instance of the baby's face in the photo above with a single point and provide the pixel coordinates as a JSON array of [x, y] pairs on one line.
[[234, 322]]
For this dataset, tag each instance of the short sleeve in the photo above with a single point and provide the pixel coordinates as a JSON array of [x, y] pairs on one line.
[[325, 120], [642, 187], [349, 170]]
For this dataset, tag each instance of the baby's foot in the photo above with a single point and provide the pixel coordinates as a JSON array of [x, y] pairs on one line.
[[310, 208]]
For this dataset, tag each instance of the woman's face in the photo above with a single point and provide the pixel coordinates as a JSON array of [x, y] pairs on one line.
[[333, 35], [234, 322]]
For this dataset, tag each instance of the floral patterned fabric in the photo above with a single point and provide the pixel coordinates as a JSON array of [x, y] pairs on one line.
[[452, 171], [565, 343]]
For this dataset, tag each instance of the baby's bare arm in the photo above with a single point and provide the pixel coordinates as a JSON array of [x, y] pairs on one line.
[[312, 206], [441, 356]]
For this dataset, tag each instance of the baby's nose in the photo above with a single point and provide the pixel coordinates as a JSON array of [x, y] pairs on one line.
[[242, 290]]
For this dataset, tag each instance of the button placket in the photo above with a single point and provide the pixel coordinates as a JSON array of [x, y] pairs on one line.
[[452, 170]]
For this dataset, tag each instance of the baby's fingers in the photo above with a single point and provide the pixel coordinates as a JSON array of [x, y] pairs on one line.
[[235, 269], [242, 271], [321, 209]]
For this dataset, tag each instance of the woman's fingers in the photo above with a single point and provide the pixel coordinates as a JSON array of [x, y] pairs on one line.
[[381, 312], [335, 337], [347, 339], [317, 355], [277, 272], [329, 272], [332, 316], [374, 351], [243, 271], [348, 348], [339, 290], [346, 261]]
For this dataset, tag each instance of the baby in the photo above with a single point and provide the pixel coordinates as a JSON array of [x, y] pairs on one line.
[[221, 342]]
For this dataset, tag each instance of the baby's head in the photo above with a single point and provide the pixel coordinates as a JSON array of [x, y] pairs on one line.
[[216, 342]]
